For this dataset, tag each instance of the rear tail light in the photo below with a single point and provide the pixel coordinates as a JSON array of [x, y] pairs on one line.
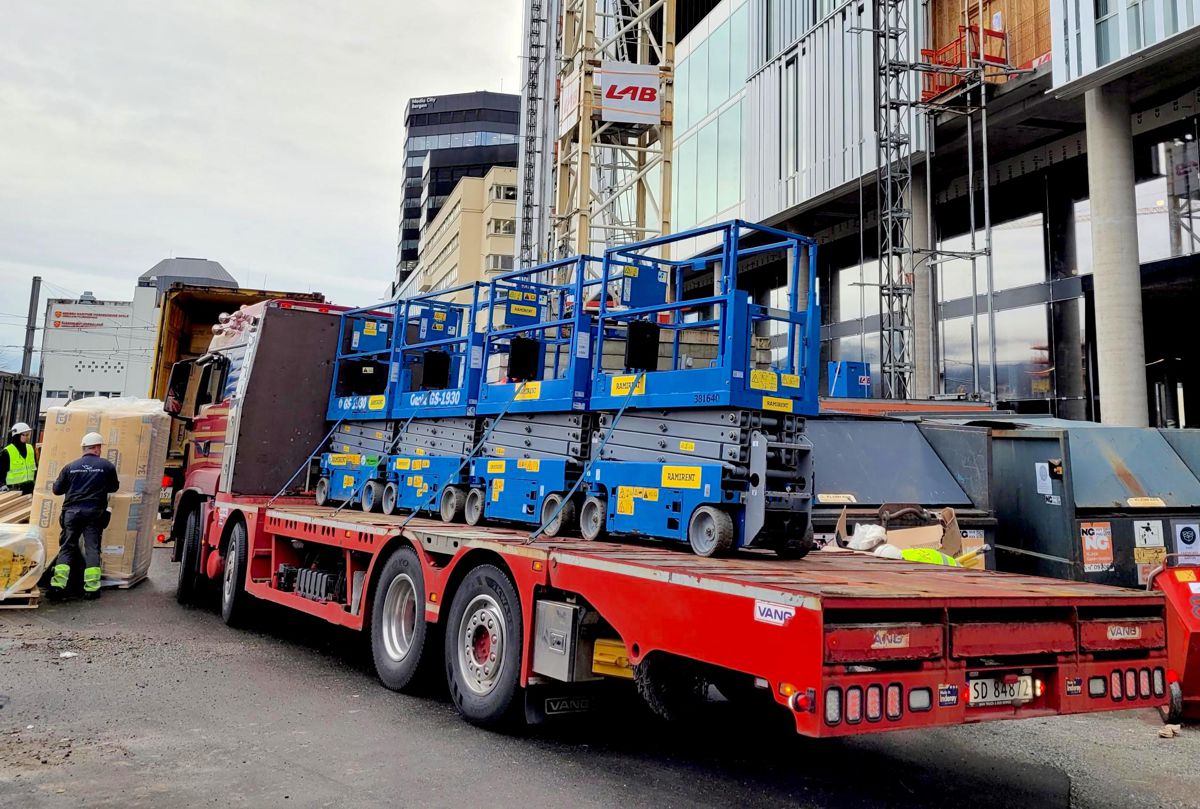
[[166, 481], [1097, 686], [895, 702], [920, 699], [1116, 684], [833, 705], [1039, 687], [854, 705], [1130, 684], [1144, 683], [874, 703], [1160, 686]]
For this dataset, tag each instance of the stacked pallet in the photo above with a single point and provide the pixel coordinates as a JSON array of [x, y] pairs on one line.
[[15, 507]]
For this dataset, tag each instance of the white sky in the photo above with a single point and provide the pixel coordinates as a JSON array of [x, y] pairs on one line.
[[266, 135]]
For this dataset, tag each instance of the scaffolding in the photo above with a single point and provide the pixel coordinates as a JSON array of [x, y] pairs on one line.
[[612, 176], [953, 82]]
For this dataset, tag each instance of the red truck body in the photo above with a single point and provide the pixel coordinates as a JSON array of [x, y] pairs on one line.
[[846, 642]]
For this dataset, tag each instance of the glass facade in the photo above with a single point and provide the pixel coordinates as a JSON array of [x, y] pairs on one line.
[[709, 83]]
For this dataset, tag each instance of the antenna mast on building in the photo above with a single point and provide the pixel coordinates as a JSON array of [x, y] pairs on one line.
[[613, 165]]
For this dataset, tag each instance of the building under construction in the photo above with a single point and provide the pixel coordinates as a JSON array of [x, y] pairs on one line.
[[939, 152]]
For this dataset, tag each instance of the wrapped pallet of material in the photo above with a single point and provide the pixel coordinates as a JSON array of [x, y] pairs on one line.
[[22, 558], [135, 432]]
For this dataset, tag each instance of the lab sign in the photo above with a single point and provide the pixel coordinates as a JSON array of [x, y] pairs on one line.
[[629, 93]]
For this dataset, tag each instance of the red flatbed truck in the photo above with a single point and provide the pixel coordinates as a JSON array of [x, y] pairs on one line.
[[846, 642]]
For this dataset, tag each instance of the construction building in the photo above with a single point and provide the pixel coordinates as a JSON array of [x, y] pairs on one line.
[[471, 237], [447, 138], [1010, 267]]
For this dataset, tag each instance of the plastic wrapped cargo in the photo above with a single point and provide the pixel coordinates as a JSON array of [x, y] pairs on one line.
[[136, 433], [22, 558]]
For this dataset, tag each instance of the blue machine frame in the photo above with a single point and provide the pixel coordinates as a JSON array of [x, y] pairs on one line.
[[730, 380], [366, 339], [445, 325]]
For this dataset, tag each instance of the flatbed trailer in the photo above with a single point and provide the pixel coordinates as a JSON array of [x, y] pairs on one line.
[[848, 643]]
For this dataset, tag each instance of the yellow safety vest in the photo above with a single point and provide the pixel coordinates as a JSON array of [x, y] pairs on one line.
[[20, 469], [929, 556]]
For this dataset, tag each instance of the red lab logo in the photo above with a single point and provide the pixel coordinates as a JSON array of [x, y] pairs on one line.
[[632, 93]]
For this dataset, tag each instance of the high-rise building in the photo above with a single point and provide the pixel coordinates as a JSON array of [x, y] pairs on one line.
[[447, 138]]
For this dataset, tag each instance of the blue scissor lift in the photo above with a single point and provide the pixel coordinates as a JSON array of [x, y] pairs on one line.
[[537, 357], [700, 435]]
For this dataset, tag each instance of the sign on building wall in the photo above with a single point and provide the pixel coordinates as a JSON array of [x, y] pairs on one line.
[[629, 93], [568, 103], [87, 317]]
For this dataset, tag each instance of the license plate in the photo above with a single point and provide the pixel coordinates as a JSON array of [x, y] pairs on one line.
[[989, 691], [164, 494]]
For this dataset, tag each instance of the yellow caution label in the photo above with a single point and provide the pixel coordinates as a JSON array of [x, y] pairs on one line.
[[687, 446], [501, 450], [497, 487], [370, 328], [420, 450], [417, 481], [439, 315], [624, 501], [420, 464], [439, 326], [681, 477], [529, 392], [530, 464], [343, 459], [347, 482], [402, 464], [780, 405], [530, 296], [1146, 502], [836, 498], [622, 384], [631, 272], [1185, 575], [790, 380], [379, 434], [764, 380], [1154, 555], [522, 309], [514, 295], [495, 467], [377, 403], [421, 491]]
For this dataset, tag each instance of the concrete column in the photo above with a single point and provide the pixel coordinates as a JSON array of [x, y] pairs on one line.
[[1066, 317], [925, 373], [1120, 346], [831, 301]]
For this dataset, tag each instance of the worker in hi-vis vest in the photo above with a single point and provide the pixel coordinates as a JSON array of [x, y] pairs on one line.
[[873, 538], [85, 485], [18, 466]]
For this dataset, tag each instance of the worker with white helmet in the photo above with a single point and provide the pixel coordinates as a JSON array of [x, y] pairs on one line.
[[85, 485], [18, 466]]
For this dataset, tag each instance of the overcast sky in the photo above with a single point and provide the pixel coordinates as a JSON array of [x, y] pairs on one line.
[[266, 135]]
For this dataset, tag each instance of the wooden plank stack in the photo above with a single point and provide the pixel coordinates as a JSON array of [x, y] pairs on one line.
[[15, 507]]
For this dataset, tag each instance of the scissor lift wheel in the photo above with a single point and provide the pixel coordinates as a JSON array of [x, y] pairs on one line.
[[710, 531]]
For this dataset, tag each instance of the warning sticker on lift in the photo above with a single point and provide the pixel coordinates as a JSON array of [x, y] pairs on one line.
[[522, 309], [529, 464], [402, 463], [681, 477], [497, 488], [778, 405], [495, 467], [764, 380], [627, 494], [499, 450], [1096, 538], [621, 385], [790, 380], [376, 403], [420, 464], [347, 482], [370, 328], [530, 391], [342, 459], [687, 446]]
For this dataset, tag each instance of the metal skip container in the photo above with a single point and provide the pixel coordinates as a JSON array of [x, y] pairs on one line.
[[1080, 500]]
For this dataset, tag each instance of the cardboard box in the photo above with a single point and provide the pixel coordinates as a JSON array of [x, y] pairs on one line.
[[944, 535], [127, 542]]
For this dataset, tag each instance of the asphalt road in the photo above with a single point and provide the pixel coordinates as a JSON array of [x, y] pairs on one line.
[[165, 706]]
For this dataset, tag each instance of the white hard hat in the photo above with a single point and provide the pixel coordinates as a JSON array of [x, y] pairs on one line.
[[20, 427], [889, 552], [92, 440]]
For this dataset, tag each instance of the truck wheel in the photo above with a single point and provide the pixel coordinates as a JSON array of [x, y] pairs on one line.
[[450, 506], [483, 648], [592, 518], [473, 508], [672, 687], [322, 491], [234, 598], [564, 519], [188, 584], [1172, 712], [796, 548], [372, 496], [398, 627], [710, 531], [391, 493]]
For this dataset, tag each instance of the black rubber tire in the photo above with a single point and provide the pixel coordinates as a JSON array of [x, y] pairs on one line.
[[473, 507], [503, 702], [564, 522], [674, 688], [398, 667], [322, 491], [797, 548], [451, 504], [391, 493], [235, 606], [1172, 712], [710, 531], [592, 519], [187, 586], [372, 496]]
